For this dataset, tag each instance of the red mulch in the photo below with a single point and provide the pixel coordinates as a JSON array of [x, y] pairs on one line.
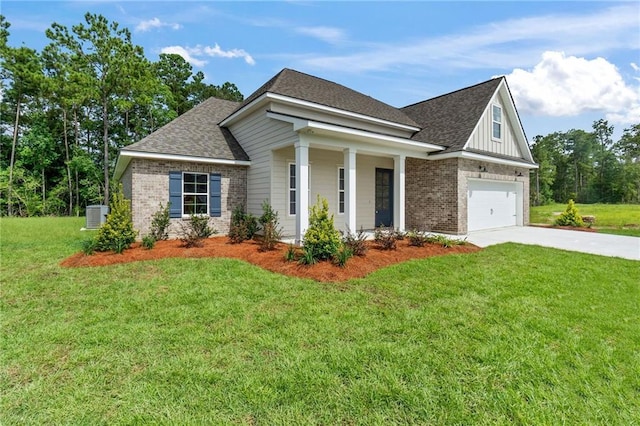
[[568, 228], [271, 260]]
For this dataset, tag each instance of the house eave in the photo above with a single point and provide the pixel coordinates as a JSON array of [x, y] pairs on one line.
[[313, 106], [486, 158], [126, 156], [303, 125]]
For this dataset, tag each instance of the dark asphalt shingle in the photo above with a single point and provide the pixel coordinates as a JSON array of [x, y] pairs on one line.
[[297, 85], [448, 120], [196, 133]]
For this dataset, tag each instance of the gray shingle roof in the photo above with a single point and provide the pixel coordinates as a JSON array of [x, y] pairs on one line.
[[196, 133], [297, 85], [448, 120]]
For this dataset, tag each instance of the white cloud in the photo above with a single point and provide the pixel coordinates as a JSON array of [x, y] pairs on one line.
[[155, 23], [193, 55], [561, 85], [327, 34], [505, 44], [185, 53], [233, 53]]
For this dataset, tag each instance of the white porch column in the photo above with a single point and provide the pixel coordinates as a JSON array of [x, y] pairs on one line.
[[398, 191], [302, 188], [350, 189]]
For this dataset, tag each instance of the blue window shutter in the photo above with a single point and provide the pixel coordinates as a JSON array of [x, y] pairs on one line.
[[175, 194], [215, 194]]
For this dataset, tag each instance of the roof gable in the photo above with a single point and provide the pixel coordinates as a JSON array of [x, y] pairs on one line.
[[304, 87], [196, 133], [450, 119]]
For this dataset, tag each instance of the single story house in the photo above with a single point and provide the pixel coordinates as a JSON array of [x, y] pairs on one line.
[[454, 164]]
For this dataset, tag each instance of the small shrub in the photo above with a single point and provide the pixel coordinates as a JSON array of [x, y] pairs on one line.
[[341, 257], [160, 221], [194, 230], [444, 241], [321, 238], [308, 258], [271, 232], [117, 233], [148, 241], [400, 235], [357, 243], [291, 253], [385, 238], [88, 246], [570, 217], [243, 225], [417, 238]]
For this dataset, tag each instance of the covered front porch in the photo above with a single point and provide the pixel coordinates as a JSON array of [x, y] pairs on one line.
[[361, 175]]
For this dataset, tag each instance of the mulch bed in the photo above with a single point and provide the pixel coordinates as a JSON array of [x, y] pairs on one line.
[[569, 228], [274, 260]]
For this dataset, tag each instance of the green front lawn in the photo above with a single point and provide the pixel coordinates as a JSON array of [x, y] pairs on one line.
[[511, 334], [621, 219]]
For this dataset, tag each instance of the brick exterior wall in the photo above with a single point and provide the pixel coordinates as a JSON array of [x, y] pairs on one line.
[[432, 195], [146, 184], [436, 192]]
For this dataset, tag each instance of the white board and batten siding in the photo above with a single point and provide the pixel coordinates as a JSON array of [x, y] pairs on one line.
[[259, 134], [482, 139]]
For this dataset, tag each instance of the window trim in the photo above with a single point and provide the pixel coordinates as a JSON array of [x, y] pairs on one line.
[[341, 191], [494, 122], [208, 194]]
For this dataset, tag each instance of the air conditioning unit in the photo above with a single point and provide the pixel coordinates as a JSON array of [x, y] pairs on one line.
[[96, 216]]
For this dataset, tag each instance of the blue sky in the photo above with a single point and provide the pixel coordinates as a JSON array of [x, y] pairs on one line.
[[567, 63]]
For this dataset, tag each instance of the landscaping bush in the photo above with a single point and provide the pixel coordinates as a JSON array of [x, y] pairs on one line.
[[160, 224], [195, 230], [341, 257], [570, 217], [88, 246], [307, 258], [321, 239], [417, 238], [357, 243], [148, 241], [291, 253], [271, 232], [385, 238], [444, 241], [243, 225], [117, 233]]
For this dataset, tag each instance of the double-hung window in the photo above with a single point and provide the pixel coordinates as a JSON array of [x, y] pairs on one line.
[[496, 120], [192, 193], [195, 193], [340, 189]]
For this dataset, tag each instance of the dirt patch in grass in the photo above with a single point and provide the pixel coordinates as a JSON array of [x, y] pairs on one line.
[[271, 260]]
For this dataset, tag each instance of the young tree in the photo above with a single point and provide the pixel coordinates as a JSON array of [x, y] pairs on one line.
[[104, 52], [23, 70]]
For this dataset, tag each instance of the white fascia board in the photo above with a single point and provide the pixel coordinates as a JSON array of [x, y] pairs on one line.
[[480, 157], [302, 125], [126, 156], [310, 105], [324, 108]]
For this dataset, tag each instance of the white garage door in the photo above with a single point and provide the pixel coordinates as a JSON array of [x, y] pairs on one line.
[[492, 204]]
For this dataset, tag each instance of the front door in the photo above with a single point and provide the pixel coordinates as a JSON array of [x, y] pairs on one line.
[[384, 197]]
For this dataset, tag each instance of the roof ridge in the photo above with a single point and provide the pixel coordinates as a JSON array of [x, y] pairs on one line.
[[455, 91]]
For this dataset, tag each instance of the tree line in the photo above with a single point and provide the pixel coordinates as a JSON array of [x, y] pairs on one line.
[[67, 110], [588, 167]]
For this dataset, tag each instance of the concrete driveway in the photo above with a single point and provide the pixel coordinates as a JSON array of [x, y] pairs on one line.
[[585, 242]]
